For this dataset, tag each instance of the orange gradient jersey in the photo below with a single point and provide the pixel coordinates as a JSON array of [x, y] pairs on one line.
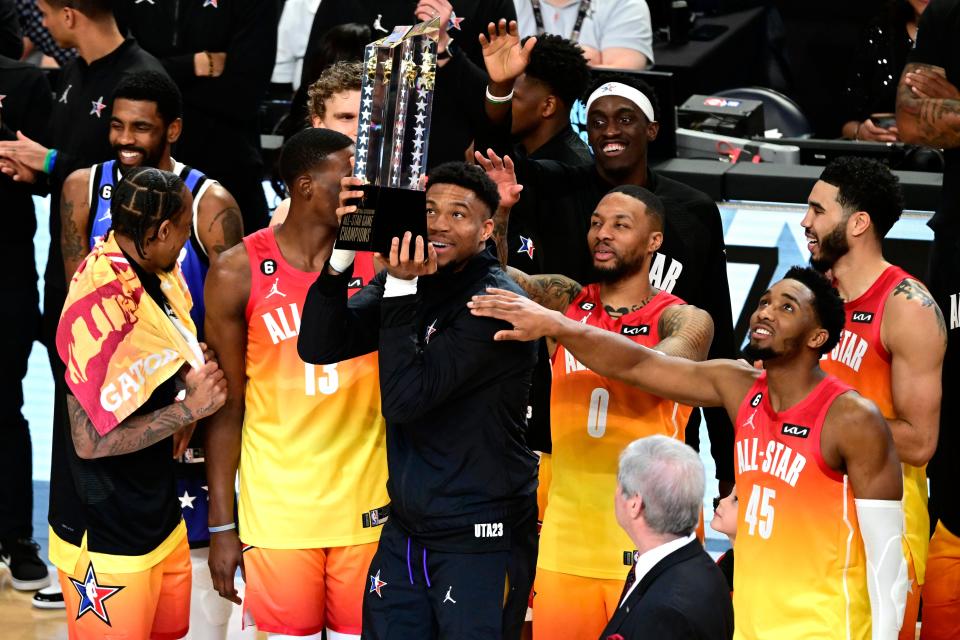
[[592, 419], [861, 360], [313, 467], [799, 566]]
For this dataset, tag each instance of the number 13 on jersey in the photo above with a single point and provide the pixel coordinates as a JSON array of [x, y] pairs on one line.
[[326, 383]]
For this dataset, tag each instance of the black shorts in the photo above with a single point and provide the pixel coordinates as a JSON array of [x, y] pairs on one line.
[[414, 592]]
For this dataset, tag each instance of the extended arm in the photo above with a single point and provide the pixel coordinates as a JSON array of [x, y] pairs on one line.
[[219, 222], [933, 121], [685, 332], [225, 297], [915, 334], [74, 221], [715, 383]]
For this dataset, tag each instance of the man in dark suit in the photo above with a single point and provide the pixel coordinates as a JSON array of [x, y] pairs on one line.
[[674, 589]]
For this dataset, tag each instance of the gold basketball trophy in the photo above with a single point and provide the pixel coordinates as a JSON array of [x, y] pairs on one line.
[[396, 100]]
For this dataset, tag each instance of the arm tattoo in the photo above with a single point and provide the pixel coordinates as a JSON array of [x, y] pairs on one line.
[[501, 220], [913, 290], [938, 120], [551, 291], [73, 242], [133, 434], [231, 229], [685, 332]]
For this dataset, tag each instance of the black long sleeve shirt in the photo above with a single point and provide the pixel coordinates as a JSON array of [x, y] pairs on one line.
[[454, 400]]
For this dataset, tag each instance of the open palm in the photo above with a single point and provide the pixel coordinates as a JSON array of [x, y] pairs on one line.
[[503, 56]]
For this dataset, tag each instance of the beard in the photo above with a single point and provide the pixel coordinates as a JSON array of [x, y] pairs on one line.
[[618, 271], [833, 246], [751, 353]]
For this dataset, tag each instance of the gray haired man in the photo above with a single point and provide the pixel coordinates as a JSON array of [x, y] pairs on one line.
[[674, 589]]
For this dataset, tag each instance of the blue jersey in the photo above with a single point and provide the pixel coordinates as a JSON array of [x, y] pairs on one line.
[[193, 258]]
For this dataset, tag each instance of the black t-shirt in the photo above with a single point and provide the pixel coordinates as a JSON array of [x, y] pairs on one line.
[[937, 44], [130, 500]]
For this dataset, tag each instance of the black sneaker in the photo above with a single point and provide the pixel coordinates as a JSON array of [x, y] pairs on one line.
[[27, 569], [49, 598]]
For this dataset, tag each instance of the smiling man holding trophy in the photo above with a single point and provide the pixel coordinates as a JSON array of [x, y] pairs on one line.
[[456, 557]]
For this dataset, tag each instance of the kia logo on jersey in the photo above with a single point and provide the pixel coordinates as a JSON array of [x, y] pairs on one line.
[[636, 330], [794, 430], [864, 317]]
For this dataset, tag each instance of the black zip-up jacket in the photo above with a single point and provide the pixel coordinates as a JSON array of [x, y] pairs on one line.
[[454, 400]]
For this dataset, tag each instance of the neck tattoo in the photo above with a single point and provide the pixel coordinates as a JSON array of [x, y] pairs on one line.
[[622, 311]]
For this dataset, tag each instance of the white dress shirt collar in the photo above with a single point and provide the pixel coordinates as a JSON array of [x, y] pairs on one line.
[[649, 559]]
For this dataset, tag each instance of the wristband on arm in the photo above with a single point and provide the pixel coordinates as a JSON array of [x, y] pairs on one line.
[[395, 287], [341, 259], [50, 161], [223, 527]]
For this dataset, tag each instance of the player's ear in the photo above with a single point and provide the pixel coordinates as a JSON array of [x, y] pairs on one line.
[[174, 129], [818, 339], [304, 186], [487, 229], [859, 223], [653, 130], [549, 106], [656, 239]]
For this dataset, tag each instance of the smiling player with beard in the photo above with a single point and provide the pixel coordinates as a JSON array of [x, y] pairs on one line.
[[583, 553], [893, 345]]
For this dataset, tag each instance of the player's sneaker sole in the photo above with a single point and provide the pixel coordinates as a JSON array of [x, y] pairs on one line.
[[30, 585], [48, 600]]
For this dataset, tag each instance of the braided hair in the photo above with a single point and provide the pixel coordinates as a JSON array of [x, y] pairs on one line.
[[145, 198]]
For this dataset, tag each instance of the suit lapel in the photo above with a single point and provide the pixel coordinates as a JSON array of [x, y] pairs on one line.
[[682, 554]]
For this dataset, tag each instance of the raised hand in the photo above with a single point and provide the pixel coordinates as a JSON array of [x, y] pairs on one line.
[[503, 56], [503, 174], [530, 321]]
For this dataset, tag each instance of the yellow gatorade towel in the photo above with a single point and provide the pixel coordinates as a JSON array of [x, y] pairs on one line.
[[116, 341]]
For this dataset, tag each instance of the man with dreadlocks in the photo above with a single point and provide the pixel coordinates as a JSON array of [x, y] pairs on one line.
[[127, 340]]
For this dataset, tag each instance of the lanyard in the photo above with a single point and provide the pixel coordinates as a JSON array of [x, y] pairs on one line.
[[581, 14]]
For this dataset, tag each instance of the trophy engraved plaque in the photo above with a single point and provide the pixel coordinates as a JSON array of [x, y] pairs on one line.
[[396, 99]]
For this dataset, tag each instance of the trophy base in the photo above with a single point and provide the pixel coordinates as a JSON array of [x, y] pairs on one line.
[[383, 213]]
